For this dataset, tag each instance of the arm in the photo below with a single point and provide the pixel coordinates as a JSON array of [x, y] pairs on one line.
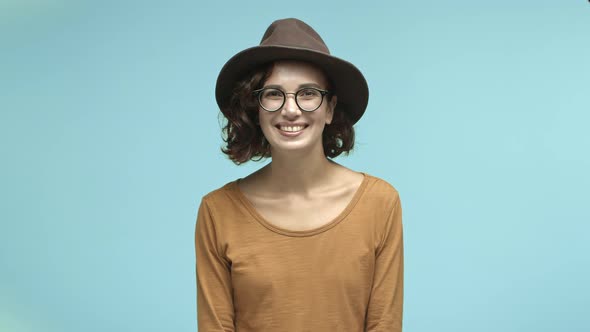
[[385, 309], [215, 311]]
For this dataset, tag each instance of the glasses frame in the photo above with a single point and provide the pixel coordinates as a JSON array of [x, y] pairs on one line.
[[258, 93]]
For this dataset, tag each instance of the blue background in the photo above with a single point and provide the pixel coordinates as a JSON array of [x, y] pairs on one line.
[[110, 136]]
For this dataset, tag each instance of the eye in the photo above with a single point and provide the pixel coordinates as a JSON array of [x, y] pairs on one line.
[[309, 93], [272, 94]]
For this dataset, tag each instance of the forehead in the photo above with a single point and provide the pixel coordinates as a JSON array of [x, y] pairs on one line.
[[293, 73]]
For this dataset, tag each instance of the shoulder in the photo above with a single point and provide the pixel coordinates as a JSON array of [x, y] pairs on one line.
[[380, 191], [220, 196]]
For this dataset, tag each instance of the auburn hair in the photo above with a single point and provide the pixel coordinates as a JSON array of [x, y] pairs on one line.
[[243, 137]]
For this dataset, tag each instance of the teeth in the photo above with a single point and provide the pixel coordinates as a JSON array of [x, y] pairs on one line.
[[286, 128]]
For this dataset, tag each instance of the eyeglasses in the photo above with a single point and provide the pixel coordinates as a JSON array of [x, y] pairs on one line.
[[307, 99]]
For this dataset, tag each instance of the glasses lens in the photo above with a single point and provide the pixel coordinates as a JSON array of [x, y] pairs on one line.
[[309, 99], [271, 99]]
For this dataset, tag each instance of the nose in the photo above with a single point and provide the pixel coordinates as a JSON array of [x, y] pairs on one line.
[[290, 106]]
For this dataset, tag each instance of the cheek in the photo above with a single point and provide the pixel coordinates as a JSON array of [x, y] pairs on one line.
[[260, 117], [265, 122]]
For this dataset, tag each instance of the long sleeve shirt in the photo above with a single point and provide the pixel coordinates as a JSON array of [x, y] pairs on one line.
[[346, 275]]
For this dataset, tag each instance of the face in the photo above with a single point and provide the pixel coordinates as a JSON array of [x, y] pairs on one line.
[[291, 76]]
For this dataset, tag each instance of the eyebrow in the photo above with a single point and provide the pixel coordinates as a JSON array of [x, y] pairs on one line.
[[304, 85]]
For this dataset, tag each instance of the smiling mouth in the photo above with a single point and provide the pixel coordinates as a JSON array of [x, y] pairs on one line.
[[291, 129]]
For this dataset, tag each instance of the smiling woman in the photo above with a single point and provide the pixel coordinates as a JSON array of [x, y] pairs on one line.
[[303, 243], [245, 137], [305, 113]]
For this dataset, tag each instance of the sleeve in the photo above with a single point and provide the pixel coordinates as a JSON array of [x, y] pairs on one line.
[[385, 309], [215, 311]]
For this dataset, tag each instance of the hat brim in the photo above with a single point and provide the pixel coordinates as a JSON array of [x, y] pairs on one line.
[[349, 83]]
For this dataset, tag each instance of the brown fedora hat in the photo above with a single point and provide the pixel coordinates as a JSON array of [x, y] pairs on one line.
[[293, 39]]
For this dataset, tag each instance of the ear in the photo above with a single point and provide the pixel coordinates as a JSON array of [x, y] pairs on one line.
[[330, 110]]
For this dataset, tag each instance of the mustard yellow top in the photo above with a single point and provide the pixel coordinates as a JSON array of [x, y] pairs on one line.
[[346, 275]]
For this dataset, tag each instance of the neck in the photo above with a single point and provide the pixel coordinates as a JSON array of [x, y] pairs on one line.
[[299, 172]]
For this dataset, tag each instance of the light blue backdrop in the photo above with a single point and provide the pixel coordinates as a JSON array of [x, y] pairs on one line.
[[109, 137]]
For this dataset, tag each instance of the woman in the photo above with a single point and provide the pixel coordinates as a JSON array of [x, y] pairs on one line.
[[302, 244]]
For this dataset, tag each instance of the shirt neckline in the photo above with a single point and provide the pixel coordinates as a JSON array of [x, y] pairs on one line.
[[308, 232]]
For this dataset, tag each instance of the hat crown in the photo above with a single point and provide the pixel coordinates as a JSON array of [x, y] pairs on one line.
[[292, 32], [293, 39]]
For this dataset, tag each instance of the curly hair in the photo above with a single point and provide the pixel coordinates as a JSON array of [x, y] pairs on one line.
[[244, 138]]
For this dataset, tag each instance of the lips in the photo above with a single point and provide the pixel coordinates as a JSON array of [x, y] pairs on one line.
[[290, 133], [291, 126]]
